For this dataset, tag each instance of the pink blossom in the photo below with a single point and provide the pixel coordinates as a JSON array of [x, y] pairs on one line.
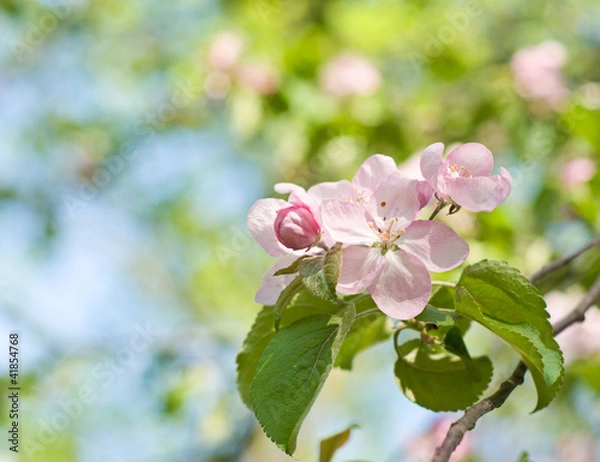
[[349, 74], [373, 171], [262, 78], [464, 176], [575, 447], [296, 227], [577, 171], [537, 72], [388, 253], [225, 51]]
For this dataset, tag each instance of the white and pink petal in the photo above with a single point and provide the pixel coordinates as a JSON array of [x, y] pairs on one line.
[[474, 157], [479, 194], [373, 171], [272, 286], [435, 244], [403, 286], [261, 219], [431, 160], [347, 222], [360, 267]]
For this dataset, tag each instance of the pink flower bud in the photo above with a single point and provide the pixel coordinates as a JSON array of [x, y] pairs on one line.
[[296, 227]]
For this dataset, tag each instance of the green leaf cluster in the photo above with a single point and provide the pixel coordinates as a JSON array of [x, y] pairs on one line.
[[293, 345]]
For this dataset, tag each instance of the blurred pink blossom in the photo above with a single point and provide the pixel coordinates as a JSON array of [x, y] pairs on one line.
[[577, 171], [225, 51], [537, 71], [580, 339], [423, 446], [349, 74], [576, 448], [262, 78]]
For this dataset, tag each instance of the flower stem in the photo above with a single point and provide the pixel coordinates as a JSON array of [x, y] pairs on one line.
[[367, 313], [443, 283], [441, 204]]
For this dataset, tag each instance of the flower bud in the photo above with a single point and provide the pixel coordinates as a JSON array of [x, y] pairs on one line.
[[296, 227]]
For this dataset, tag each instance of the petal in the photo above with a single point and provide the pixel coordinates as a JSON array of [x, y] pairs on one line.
[[261, 219], [475, 157], [403, 286], [287, 188], [479, 194], [435, 244], [302, 198], [347, 222], [506, 181], [373, 171], [396, 197], [360, 267], [271, 285], [333, 190], [431, 159], [425, 193]]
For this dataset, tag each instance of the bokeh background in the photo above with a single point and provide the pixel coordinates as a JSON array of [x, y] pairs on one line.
[[134, 137]]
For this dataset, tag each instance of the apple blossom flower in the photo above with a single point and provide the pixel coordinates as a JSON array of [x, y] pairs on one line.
[[225, 51], [296, 227], [577, 171], [537, 72], [387, 252], [261, 77], [463, 178], [350, 74]]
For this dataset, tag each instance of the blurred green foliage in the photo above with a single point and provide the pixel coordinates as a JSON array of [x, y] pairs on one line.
[[106, 78]]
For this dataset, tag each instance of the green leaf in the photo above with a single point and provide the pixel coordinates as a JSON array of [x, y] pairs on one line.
[[293, 268], [320, 274], [443, 298], [524, 457], [500, 298], [364, 333], [301, 304], [292, 371], [330, 445], [431, 315], [439, 380], [588, 370], [285, 298], [454, 343], [261, 333]]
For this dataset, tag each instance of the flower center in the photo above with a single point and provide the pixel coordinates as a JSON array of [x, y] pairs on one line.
[[459, 171], [388, 235]]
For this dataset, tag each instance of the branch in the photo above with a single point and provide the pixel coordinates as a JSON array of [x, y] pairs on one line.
[[474, 413], [557, 264], [578, 314]]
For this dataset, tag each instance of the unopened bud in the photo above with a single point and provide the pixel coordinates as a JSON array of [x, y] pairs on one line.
[[296, 227]]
